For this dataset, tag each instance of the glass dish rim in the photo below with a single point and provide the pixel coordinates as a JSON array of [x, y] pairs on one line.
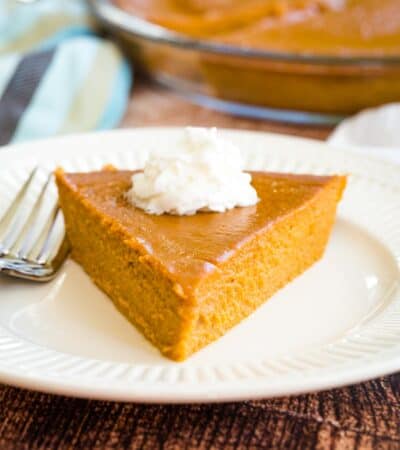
[[116, 18]]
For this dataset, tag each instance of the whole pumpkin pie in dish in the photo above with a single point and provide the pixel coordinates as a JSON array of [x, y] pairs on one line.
[[334, 57], [184, 281]]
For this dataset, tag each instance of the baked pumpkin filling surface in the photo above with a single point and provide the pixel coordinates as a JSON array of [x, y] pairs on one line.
[[184, 281], [336, 27]]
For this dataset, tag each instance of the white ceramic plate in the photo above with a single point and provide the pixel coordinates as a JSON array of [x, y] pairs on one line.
[[336, 324]]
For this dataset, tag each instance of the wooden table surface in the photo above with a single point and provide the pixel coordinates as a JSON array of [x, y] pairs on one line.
[[364, 416]]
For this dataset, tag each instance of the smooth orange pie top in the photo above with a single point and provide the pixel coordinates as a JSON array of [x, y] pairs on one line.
[[340, 27]]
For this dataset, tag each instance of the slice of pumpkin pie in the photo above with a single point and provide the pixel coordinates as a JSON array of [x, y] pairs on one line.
[[185, 280]]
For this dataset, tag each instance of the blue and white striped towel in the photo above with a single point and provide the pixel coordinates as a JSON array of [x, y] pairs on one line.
[[56, 75]]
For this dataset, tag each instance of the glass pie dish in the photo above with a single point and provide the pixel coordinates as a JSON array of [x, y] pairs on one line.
[[290, 87]]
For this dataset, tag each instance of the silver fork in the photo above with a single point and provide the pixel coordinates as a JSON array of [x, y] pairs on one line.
[[32, 247]]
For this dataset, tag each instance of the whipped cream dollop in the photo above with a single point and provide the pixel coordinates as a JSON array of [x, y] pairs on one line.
[[203, 173]]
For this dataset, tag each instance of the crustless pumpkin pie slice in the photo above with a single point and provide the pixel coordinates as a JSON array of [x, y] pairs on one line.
[[184, 281]]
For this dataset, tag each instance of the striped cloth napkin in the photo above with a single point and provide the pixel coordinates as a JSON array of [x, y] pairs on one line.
[[56, 75]]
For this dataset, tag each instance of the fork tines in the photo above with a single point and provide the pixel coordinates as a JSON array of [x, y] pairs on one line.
[[32, 228]]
